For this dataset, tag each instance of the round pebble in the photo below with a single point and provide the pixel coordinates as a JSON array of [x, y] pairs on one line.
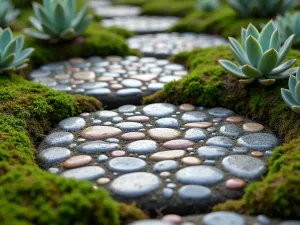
[[77, 161], [253, 127], [163, 133], [172, 218], [194, 192], [73, 123], [100, 132], [59, 138], [126, 164], [235, 184], [159, 109], [165, 165], [84, 173], [142, 147], [54, 154], [227, 218]]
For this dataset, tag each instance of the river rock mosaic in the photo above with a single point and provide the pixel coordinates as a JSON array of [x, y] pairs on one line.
[[142, 24], [161, 155], [164, 45], [114, 80], [117, 11], [214, 218]]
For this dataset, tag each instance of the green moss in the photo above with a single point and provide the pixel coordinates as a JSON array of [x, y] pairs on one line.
[[278, 194], [29, 195]]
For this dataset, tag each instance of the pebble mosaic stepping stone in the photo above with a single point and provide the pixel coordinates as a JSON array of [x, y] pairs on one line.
[[163, 45], [215, 218], [114, 80], [161, 155], [142, 24], [117, 11]]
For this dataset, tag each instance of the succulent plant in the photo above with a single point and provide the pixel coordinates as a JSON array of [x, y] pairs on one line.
[[207, 5], [57, 19], [7, 13], [260, 56], [292, 96], [12, 54], [262, 8], [287, 25]]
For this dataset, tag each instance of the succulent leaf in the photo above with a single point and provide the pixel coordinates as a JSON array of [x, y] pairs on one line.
[[232, 68], [250, 71], [266, 82], [254, 50], [285, 48], [268, 61], [275, 41], [288, 97], [292, 85]]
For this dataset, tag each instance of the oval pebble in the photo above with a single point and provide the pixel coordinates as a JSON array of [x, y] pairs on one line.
[[159, 109], [100, 132], [59, 138], [220, 141], [142, 147], [126, 164], [212, 152], [227, 218], [220, 112], [194, 192], [163, 133], [195, 134], [178, 144], [84, 173], [129, 126], [258, 141], [194, 116], [77, 161], [72, 124], [165, 165], [54, 154], [97, 147]]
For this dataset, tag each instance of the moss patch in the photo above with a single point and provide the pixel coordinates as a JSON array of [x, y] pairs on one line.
[[29, 195], [278, 194]]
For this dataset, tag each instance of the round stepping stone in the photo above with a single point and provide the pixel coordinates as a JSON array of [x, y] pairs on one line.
[[77, 161], [163, 133], [73, 123], [227, 218], [159, 109], [166, 165], [191, 161], [220, 141], [202, 175], [212, 152], [84, 173], [195, 134], [244, 166], [135, 184], [100, 132], [230, 130], [194, 192], [127, 108], [142, 147], [194, 116], [106, 114], [258, 141], [96, 147], [168, 122], [220, 112], [235, 184], [178, 144], [126, 164], [171, 154], [54, 154], [133, 136], [59, 139], [253, 127], [129, 126]]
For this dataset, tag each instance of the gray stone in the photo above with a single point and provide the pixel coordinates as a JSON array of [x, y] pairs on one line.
[[84, 173], [96, 147], [212, 152], [93, 85], [195, 134], [159, 109], [168, 192], [244, 166], [151, 222], [99, 91], [220, 141], [73, 123], [258, 141], [59, 138], [231, 130], [126, 164], [128, 92], [165, 165], [220, 112], [167, 122], [127, 108], [202, 175], [135, 184], [224, 218], [129, 126], [194, 192], [142, 147], [54, 154], [106, 114], [102, 158], [194, 116], [131, 83]]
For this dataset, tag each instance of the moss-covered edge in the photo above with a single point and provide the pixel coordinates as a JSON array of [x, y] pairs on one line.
[[278, 194], [29, 195]]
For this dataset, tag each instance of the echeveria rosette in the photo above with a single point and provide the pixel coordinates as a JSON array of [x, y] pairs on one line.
[[262, 8], [12, 54], [7, 13], [260, 56], [287, 25], [207, 5], [57, 19], [292, 96]]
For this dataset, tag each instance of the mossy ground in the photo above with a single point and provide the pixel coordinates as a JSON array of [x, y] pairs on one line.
[[208, 84], [29, 195]]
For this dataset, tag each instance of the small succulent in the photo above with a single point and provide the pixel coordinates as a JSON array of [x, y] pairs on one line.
[[57, 19], [12, 54], [207, 5], [287, 25], [292, 96], [262, 8], [260, 56], [7, 13]]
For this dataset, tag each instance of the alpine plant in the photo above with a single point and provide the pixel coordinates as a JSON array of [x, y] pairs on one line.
[[57, 19], [260, 56]]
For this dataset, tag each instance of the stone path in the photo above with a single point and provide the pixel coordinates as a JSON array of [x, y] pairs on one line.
[[215, 218], [114, 80], [164, 157], [142, 24], [164, 45]]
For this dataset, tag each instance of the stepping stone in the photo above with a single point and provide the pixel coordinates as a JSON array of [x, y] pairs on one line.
[[142, 24], [160, 155], [163, 45], [113, 80], [227, 218], [117, 11]]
